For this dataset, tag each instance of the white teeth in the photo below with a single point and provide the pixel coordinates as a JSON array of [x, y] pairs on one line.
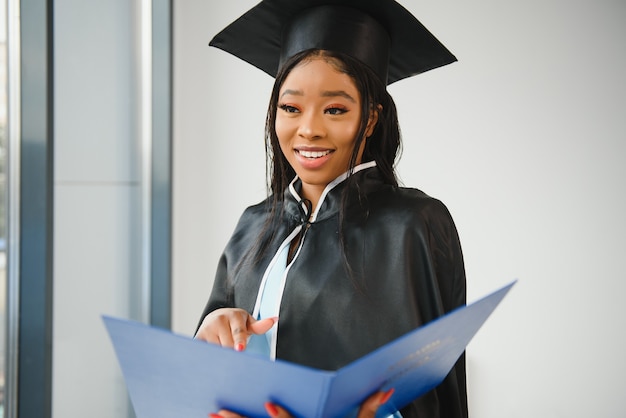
[[313, 154]]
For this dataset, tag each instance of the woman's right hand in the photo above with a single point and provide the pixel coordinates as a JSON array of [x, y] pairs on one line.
[[231, 327], [370, 406]]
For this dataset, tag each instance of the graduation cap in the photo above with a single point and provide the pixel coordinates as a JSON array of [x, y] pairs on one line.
[[380, 33]]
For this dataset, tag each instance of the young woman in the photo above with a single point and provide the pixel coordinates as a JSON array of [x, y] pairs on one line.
[[339, 259]]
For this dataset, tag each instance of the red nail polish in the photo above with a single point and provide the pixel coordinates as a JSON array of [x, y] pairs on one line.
[[215, 416], [386, 396], [239, 347], [271, 409]]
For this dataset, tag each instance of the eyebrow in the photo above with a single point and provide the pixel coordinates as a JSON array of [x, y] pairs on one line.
[[326, 93], [338, 93]]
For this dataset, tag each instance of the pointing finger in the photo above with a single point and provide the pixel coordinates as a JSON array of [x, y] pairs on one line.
[[263, 325]]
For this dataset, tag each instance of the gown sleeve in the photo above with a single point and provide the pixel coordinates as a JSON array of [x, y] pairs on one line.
[[447, 257]]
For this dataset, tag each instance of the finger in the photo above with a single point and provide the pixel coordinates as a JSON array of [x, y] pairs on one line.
[[222, 337], [225, 336], [219, 333], [204, 334], [225, 414], [370, 406], [263, 325], [239, 333], [275, 411]]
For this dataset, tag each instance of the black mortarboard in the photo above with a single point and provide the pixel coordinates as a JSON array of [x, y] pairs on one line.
[[380, 33]]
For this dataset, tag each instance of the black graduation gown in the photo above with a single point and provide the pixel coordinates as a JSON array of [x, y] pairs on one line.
[[405, 269]]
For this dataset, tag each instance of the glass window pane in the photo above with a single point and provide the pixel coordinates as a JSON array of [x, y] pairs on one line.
[[3, 193]]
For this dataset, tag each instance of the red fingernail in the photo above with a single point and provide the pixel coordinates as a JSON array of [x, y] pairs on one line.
[[239, 347], [271, 409], [215, 416], [386, 396]]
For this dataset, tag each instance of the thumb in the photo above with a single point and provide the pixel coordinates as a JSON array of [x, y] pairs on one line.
[[370, 406], [263, 325]]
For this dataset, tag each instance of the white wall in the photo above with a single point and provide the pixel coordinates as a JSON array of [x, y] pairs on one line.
[[524, 139], [96, 201], [218, 123]]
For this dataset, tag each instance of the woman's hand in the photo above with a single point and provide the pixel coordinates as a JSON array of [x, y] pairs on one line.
[[371, 404], [368, 408], [273, 410], [231, 327]]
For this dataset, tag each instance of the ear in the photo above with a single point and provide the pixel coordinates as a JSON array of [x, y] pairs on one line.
[[372, 120]]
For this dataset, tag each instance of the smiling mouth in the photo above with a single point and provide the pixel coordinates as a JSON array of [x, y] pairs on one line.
[[313, 154]]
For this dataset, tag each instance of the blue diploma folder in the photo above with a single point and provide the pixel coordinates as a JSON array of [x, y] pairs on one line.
[[172, 376]]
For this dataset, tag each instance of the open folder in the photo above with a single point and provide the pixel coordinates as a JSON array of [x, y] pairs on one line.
[[174, 376]]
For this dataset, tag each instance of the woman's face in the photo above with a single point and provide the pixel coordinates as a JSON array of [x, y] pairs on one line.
[[317, 119]]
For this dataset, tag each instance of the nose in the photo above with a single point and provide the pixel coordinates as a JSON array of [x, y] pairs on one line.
[[311, 126]]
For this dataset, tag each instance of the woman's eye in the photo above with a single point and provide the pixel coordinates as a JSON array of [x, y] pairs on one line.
[[336, 110], [289, 109]]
